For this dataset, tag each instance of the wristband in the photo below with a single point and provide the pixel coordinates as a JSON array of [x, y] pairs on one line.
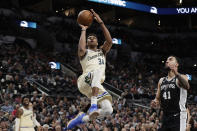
[[101, 23], [83, 30]]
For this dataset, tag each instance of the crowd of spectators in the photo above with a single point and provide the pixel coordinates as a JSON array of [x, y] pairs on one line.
[[53, 113], [19, 63]]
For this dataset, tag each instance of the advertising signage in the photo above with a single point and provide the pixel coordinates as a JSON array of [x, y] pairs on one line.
[[147, 8]]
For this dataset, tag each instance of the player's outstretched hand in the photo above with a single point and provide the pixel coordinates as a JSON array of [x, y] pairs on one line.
[[96, 16], [154, 104], [83, 27]]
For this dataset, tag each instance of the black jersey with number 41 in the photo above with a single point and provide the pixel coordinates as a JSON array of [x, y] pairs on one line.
[[173, 98]]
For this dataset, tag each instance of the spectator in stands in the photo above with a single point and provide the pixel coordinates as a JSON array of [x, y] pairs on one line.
[[7, 107]]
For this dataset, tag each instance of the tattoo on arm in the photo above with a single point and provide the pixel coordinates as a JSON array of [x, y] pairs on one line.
[[183, 82]]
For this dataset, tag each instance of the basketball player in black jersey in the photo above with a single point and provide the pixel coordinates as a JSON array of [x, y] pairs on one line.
[[172, 96]]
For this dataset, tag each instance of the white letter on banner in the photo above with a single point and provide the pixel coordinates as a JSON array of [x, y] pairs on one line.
[[182, 10], [123, 3], [178, 9], [112, 2], [193, 10], [187, 10], [116, 2]]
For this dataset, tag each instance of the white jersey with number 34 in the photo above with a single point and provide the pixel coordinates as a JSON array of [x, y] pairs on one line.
[[94, 60]]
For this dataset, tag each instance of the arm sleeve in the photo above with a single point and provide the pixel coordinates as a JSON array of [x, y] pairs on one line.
[[17, 123]]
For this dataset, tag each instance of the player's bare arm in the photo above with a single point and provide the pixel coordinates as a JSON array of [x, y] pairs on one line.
[[182, 79], [188, 120], [156, 101], [108, 43], [82, 42]]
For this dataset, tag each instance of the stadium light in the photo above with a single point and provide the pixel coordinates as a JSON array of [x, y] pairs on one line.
[[159, 23]]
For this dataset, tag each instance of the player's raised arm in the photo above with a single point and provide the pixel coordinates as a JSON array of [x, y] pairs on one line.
[[82, 42], [182, 79], [108, 43]]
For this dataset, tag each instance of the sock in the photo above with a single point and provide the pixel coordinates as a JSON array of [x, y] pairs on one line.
[[86, 118], [93, 100]]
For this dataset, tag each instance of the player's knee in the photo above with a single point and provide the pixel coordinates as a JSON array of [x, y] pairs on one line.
[[106, 107], [108, 111]]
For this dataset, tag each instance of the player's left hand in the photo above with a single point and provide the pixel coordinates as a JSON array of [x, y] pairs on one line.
[[83, 27], [96, 16]]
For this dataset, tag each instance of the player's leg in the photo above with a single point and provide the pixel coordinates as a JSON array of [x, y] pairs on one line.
[[178, 121], [76, 121], [90, 85], [83, 83], [183, 121], [106, 108], [79, 119], [175, 124], [165, 124], [164, 128], [95, 85]]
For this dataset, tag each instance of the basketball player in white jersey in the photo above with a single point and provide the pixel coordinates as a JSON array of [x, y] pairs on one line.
[[172, 97], [93, 62], [25, 120]]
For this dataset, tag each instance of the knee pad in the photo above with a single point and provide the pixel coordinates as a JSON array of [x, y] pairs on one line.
[[106, 107], [108, 111]]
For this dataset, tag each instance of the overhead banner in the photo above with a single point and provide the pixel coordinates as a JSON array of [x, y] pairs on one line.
[[174, 11], [121, 3], [128, 4], [147, 8]]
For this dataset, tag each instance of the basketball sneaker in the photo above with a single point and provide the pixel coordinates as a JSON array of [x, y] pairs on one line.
[[93, 111], [76, 121]]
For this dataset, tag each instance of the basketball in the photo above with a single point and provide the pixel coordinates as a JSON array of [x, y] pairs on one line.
[[85, 17]]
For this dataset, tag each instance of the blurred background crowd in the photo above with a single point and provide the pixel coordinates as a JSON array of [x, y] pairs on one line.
[[26, 71]]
